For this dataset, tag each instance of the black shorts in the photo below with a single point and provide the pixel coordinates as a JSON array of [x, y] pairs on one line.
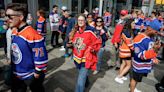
[[137, 76], [127, 58]]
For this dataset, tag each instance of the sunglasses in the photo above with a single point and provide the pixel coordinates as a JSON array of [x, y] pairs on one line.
[[99, 21], [11, 16], [81, 20]]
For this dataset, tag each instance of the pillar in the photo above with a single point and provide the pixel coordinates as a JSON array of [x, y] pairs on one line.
[[79, 6], [6, 2], [90, 5], [100, 7], [32, 8], [151, 6]]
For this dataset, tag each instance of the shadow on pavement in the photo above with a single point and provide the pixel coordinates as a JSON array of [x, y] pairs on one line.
[[49, 50], [65, 80], [104, 68], [61, 81], [55, 63]]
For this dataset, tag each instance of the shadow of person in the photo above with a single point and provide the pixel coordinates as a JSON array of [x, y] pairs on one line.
[[49, 50], [55, 63], [104, 67], [65, 80], [61, 81]]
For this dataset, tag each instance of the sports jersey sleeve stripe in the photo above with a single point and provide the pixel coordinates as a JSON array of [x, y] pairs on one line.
[[41, 69], [41, 62]]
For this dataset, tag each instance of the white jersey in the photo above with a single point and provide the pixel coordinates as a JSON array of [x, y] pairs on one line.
[[54, 21]]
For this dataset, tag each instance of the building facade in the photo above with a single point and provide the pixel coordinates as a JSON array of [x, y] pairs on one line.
[[75, 6]]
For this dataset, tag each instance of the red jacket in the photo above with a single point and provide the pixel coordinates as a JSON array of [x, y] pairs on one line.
[[91, 55], [117, 33], [83, 44]]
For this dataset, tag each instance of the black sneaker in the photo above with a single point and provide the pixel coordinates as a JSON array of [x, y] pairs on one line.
[[159, 88], [110, 67], [117, 68]]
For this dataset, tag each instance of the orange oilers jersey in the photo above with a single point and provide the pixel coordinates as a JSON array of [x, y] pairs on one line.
[[126, 44]]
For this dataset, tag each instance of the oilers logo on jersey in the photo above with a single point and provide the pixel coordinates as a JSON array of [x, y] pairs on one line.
[[17, 55]]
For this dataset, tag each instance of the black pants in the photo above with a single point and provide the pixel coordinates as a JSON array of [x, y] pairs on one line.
[[3, 42], [162, 82], [55, 34], [65, 44], [7, 75], [35, 85], [63, 36]]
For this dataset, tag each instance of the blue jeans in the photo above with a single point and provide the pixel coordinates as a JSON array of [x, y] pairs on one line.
[[100, 55], [82, 77], [66, 40]]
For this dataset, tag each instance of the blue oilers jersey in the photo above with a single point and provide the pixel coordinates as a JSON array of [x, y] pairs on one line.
[[41, 26], [143, 54], [29, 53]]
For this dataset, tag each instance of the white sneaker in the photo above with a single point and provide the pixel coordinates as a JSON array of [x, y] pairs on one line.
[[95, 72], [136, 90], [119, 80], [62, 49], [124, 78]]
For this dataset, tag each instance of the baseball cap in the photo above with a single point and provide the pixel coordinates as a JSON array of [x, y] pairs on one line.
[[124, 12], [64, 8], [96, 8]]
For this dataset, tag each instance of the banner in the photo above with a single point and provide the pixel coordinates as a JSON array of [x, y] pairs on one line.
[[159, 1]]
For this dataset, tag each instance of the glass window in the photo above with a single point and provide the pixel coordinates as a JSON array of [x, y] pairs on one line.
[[20, 1], [74, 6], [44, 4], [2, 6]]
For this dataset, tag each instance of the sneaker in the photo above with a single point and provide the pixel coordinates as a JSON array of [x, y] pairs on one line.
[[62, 48], [159, 87], [124, 78], [117, 68], [66, 55], [110, 67], [119, 80], [95, 72], [136, 90]]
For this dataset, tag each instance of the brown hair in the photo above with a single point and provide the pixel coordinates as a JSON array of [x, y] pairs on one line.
[[41, 12], [127, 26], [22, 8]]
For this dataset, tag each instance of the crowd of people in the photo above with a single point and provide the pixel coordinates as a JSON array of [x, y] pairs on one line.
[[137, 40]]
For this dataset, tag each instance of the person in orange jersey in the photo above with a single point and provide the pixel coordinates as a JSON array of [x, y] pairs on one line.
[[125, 50]]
